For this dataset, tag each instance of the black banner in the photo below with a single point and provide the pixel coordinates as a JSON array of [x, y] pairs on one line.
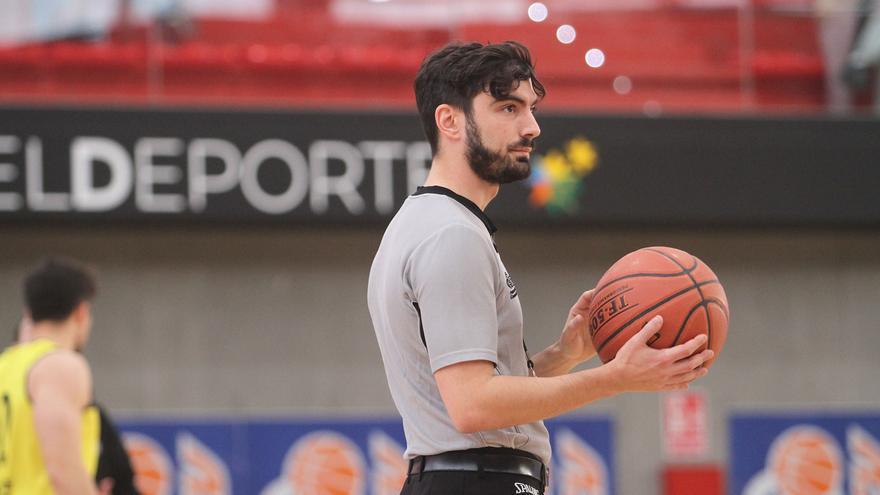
[[315, 168]]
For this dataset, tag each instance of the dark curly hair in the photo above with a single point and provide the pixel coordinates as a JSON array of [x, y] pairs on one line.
[[54, 289], [456, 73]]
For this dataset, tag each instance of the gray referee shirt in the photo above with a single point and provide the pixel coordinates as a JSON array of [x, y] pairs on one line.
[[439, 295]]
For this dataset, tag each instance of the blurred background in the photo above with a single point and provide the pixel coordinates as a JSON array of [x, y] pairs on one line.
[[651, 56], [229, 166]]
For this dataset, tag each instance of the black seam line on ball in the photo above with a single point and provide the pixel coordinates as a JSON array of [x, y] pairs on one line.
[[717, 302], [705, 304], [649, 309], [702, 298], [636, 275], [701, 304]]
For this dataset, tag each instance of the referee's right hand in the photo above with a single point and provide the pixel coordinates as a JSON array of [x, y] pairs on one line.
[[641, 368]]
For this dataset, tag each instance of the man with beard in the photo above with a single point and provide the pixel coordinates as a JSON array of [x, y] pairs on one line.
[[49, 429], [447, 314]]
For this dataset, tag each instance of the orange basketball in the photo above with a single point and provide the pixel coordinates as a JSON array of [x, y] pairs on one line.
[[652, 281]]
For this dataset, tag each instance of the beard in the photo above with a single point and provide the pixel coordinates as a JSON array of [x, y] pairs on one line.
[[497, 168]]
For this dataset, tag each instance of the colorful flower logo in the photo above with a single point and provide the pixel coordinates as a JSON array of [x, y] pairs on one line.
[[557, 177]]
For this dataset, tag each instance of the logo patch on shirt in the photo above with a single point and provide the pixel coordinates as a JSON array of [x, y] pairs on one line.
[[510, 285], [524, 488]]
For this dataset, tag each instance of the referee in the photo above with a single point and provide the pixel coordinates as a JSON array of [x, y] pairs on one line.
[[447, 315]]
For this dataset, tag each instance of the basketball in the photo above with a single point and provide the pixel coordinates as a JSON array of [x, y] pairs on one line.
[[658, 280]]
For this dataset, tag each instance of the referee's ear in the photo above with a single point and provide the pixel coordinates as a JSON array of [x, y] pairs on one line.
[[450, 122]]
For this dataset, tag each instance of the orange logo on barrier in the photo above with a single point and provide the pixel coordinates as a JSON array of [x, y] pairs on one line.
[[151, 464], [389, 467], [864, 468], [321, 463], [803, 460], [581, 470], [201, 471]]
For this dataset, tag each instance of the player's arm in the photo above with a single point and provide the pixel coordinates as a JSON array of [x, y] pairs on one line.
[[478, 399], [574, 345], [60, 388]]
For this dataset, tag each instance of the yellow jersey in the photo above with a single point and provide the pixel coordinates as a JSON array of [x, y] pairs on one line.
[[22, 471]]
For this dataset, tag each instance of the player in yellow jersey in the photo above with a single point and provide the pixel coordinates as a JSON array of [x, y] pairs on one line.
[[49, 430]]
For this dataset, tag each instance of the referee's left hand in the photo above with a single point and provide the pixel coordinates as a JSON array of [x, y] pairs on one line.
[[575, 342]]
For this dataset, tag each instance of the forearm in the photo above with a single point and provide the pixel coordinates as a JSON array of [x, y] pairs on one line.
[[72, 480], [60, 387], [573, 347], [58, 435], [478, 399], [505, 401], [552, 362]]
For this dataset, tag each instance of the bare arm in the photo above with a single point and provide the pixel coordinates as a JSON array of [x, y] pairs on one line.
[[477, 399], [60, 387]]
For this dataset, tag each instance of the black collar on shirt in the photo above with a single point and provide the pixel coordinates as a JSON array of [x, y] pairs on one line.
[[470, 205]]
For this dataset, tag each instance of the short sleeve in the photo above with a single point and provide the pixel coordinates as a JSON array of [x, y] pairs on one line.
[[453, 274]]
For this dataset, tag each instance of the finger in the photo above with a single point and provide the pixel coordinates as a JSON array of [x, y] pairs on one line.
[[584, 301], [693, 362], [576, 322], [686, 349], [647, 331], [688, 376], [677, 386]]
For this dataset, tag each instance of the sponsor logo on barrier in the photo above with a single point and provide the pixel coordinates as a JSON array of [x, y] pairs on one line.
[[151, 464], [581, 470], [201, 471], [389, 467], [805, 460], [864, 467], [325, 457], [321, 463]]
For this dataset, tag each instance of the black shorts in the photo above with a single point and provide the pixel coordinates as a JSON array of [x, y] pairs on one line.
[[470, 483]]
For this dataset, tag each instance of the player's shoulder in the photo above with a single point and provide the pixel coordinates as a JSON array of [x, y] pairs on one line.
[[62, 376], [60, 366]]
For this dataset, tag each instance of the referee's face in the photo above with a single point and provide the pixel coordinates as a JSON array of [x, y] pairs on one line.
[[501, 134]]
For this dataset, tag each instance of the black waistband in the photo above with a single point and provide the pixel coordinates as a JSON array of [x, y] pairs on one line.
[[487, 459]]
